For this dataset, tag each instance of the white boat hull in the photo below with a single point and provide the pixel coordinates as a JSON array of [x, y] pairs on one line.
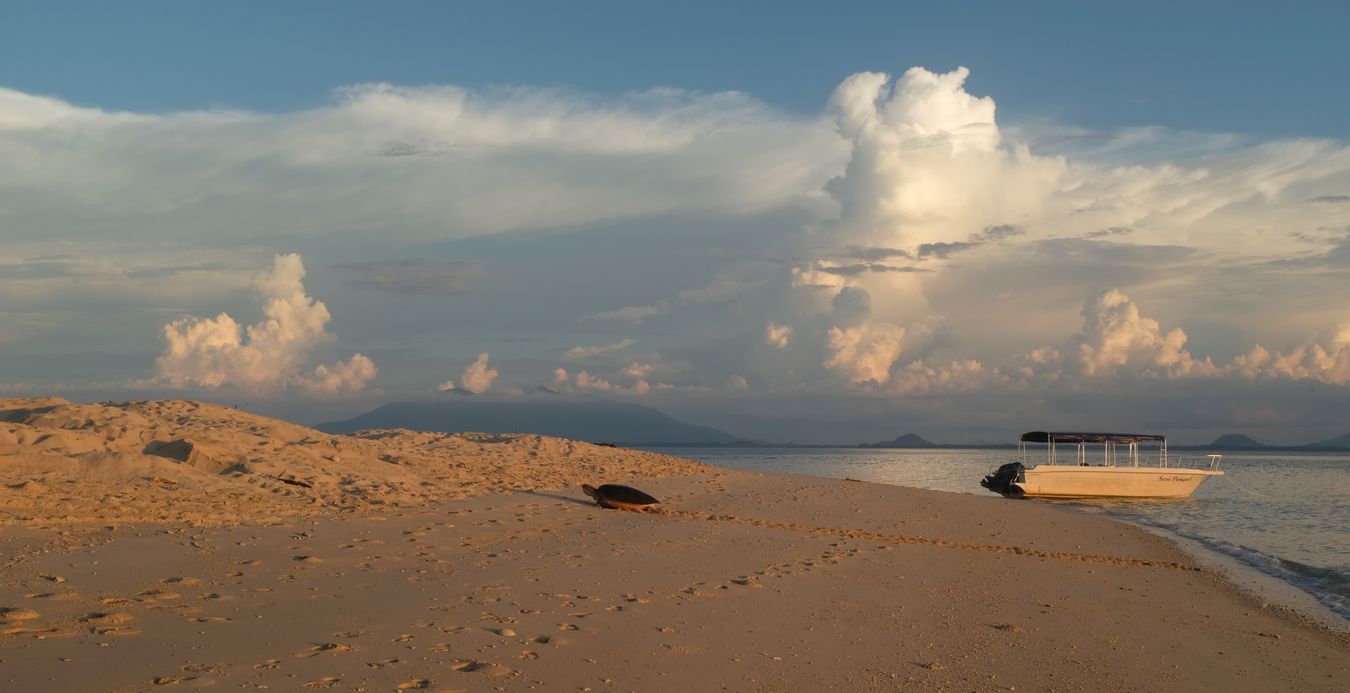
[[1065, 481]]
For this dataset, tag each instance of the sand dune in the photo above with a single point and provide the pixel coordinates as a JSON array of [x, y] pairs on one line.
[[203, 464]]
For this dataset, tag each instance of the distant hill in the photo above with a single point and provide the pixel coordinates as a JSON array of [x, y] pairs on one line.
[[580, 418], [1342, 442], [1235, 441], [908, 440]]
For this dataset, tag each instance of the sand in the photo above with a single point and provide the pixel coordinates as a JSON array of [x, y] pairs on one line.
[[474, 563]]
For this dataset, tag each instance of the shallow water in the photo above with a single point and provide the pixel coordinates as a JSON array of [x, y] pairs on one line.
[[1285, 514]]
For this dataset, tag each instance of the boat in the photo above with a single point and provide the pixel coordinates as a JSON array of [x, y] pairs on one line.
[[1083, 471]]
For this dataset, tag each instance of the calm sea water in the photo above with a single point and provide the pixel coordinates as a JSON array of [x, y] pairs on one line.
[[1285, 514]]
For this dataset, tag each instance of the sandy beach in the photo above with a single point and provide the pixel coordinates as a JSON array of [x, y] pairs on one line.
[[162, 545]]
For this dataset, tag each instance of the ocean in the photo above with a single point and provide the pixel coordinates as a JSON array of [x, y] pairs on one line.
[[1286, 515]]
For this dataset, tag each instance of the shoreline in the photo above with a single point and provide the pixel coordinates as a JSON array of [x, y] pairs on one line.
[[1264, 583], [1264, 589]]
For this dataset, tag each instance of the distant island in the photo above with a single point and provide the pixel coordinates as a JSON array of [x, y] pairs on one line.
[[1237, 442], [588, 419], [908, 440]]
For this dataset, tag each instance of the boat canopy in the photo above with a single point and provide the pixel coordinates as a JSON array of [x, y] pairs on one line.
[[1100, 438]]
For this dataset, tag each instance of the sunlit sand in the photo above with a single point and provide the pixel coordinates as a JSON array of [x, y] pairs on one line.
[[153, 545]]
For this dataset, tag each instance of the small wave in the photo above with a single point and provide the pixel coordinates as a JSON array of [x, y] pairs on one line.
[[1330, 586]]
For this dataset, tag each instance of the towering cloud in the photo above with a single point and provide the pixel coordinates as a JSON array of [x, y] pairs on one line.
[[478, 376], [265, 356], [927, 163]]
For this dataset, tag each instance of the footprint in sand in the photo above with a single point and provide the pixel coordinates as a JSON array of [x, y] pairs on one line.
[[480, 667], [322, 647], [171, 680], [325, 682], [99, 618], [414, 684]]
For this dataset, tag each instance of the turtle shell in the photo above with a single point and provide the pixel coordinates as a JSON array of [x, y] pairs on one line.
[[613, 495]]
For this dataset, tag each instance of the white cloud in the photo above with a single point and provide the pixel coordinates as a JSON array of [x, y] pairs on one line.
[[865, 353], [928, 162], [441, 160], [1303, 362], [586, 381], [350, 376], [777, 335], [580, 352], [958, 377], [478, 376], [638, 370], [1116, 338], [633, 313], [264, 356]]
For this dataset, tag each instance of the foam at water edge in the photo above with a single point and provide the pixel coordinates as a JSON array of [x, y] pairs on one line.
[[1259, 575]]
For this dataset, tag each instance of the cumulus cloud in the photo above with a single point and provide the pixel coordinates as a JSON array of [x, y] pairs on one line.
[[586, 381], [777, 335], [580, 352], [965, 376], [1303, 362], [265, 356], [928, 163], [865, 353], [349, 377], [478, 376], [1117, 340], [638, 370], [1116, 337]]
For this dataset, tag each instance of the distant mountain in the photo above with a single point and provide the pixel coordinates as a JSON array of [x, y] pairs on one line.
[[1342, 442], [1235, 441], [580, 418], [908, 440]]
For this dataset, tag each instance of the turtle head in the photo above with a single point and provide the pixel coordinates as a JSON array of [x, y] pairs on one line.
[[590, 491]]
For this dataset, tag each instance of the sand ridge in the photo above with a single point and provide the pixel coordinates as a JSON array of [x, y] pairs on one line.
[[204, 464]]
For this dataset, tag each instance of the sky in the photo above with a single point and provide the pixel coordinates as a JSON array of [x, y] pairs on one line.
[[792, 222]]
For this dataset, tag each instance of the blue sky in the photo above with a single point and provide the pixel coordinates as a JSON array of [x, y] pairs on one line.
[[1213, 66], [824, 224]]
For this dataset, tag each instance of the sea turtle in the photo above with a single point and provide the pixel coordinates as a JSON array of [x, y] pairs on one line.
[[618, 496]]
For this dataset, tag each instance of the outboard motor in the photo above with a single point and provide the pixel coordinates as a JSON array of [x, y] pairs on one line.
[[1004, 479]]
